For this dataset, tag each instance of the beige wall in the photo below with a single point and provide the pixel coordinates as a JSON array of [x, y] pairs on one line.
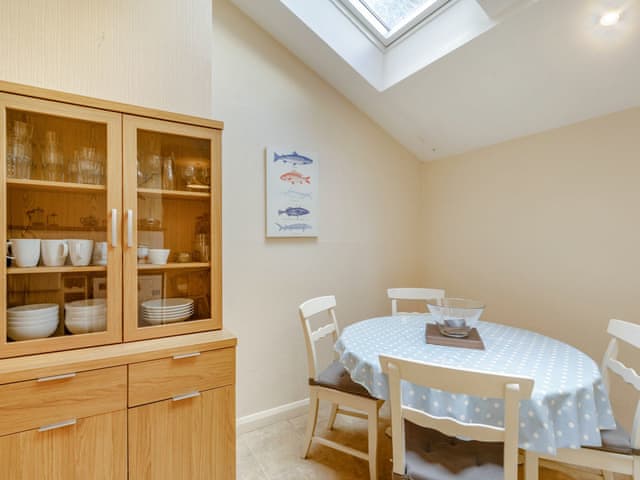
[[369, 205], [155, 53], [544, 229]]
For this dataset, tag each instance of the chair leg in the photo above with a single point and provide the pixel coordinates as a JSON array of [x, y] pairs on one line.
[[372, 415], [311, 422], [332, 415], [530, 465]]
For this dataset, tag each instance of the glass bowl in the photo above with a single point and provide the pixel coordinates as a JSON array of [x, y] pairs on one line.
[[455, 312]]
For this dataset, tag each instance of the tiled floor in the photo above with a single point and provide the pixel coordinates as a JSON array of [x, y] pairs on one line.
[[273, 452]]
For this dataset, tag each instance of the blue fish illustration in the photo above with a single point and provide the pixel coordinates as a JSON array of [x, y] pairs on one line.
[[294, 212], [293, 158], [295, 195], [295, 226]]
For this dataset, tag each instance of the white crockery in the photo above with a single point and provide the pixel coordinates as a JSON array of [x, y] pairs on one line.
[[29, 332], [100, 253], [25, 251], [33, 309], [163, 303], [80, 251], [54, 252], [158, 256]]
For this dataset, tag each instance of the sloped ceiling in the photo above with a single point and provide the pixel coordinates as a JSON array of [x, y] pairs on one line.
[[542, 67]]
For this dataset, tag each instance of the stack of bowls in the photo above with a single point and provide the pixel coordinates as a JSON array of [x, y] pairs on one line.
[[167, 310], [27, 322], [86, 316]]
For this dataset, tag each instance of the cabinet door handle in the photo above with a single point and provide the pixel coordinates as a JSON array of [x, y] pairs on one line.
[[184, 396], [129, 228], [114, 227], [186, 355], [57, 377], [53, 426]]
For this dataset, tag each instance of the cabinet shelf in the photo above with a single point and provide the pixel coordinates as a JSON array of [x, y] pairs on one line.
[[173, 266], [174, 193], [24, 183], [62, 269]]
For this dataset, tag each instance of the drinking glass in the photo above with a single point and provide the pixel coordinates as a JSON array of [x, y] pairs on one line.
[[168, 175], [188, 172], [52, 161]]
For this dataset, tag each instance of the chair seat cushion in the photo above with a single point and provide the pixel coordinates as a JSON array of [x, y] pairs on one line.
[[431, 455], [335, 376], [616, 441]]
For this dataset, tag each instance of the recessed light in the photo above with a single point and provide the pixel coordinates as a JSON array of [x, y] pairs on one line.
[[609, 19]]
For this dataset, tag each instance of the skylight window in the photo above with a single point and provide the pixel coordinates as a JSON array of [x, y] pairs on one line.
[[388, 20]]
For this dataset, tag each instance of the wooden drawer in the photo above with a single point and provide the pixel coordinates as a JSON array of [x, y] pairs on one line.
[[170, 377], [48, 401]]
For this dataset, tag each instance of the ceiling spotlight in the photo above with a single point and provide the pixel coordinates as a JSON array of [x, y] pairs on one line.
[[609, 19]]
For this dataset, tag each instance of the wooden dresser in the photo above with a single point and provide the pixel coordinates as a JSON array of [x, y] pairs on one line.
[[113, 360]]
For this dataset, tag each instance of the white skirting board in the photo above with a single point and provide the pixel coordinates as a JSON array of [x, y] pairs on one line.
[[272, 415]]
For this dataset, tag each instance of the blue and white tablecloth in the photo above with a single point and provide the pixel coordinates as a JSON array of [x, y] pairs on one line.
[[569, 404]]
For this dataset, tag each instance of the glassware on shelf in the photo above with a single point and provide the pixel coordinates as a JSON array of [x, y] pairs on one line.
[[203, 175], [87, 167], [188, 173], [168, 173], [201, 251], [19, 150], [52, 161]]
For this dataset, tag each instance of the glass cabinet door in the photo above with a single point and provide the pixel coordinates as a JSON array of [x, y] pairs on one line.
[[60, 200], [172, 228]]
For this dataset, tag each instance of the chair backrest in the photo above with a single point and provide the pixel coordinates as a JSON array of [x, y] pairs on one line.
[[425, 294], [511, 389], [307, 310], [629, 333]]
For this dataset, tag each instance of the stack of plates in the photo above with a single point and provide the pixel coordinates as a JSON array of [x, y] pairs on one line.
[[85, 316], [26, 322], [167, 310]]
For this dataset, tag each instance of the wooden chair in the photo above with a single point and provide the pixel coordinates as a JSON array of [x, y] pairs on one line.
[[429, 449], [334, 384], [425, 294], [620, 452]]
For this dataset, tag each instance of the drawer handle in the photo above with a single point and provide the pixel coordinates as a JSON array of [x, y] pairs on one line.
[[53, 426], [186, 355], [184, 396], [57, 377]]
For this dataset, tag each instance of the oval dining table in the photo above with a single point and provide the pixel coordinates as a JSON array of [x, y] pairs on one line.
[[569, 404]]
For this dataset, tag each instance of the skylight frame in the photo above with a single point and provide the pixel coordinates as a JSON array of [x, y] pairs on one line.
[[370, 24]]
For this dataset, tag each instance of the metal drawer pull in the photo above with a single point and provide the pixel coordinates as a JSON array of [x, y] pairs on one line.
[[186, 355], [114, 227], [57, 377], [184, 396], [130, 228], [53, 426]]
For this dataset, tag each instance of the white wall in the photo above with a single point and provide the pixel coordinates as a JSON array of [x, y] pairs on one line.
[[154, 53], [370, 204], [544, 229]]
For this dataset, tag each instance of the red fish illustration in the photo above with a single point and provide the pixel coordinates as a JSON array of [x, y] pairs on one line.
[[294, 177]]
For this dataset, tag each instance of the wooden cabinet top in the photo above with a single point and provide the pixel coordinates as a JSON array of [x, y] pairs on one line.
[[43, 93], [59, 363]]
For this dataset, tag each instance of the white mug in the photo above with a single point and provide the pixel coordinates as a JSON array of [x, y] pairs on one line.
[[25, 251], [100, 253], [80, 251], [54, 252]]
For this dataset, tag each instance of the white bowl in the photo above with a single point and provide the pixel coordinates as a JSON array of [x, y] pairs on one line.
[[162, 321], [90, 304], [158, 256], [34, 321], [32, 310], [86, 327], [29, 332]]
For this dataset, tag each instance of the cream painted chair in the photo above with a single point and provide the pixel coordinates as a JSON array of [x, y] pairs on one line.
[[334, 384], [620, 452], [425, 294], [430, 450]]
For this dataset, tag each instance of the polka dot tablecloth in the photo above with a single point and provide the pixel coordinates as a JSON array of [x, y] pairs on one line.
[[569, 404]]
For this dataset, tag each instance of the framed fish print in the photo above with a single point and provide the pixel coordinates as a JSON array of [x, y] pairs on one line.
[[292, 193]]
